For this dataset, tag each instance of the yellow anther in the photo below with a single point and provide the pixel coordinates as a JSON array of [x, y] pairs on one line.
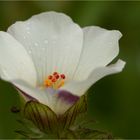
[[55, 80], [61, 84], [48, 83]]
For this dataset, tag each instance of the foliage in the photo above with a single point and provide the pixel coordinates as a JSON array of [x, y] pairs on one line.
[[41, 122]]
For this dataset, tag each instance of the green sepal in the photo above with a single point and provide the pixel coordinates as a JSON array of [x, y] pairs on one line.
[[69, 117], [70, 125], [42, 116], [46, 120], [83, 120]]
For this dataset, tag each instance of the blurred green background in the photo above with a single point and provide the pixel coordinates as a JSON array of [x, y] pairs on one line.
[[115, 100]]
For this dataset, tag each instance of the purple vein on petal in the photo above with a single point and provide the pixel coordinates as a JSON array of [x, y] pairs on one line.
[[67, 97]]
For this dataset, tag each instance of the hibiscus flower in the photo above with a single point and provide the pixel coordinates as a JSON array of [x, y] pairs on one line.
[[51, 59]]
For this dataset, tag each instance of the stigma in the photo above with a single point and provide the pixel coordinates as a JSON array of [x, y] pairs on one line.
[[55, 80]]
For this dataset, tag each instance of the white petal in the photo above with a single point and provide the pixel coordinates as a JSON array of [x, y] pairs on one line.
[[79, 88], [47, 97], [100, 48], [53, 40], [15, 63], [42, 95]]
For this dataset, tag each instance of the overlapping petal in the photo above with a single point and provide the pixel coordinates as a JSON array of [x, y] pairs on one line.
[[15, 63], [80, 87], [100, 47], [53, 40]]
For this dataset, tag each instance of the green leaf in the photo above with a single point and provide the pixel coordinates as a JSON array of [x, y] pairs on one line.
[[28, 129], [85, 133], [69, 117], [42, 116], [83, 120]]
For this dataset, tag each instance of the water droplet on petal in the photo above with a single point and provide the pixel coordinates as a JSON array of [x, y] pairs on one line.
[[28, 28], [28, 32], [46, 41], [28, 23], [36, 44]]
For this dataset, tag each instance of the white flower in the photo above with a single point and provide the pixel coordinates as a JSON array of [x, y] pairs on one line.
[[51, 43]]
